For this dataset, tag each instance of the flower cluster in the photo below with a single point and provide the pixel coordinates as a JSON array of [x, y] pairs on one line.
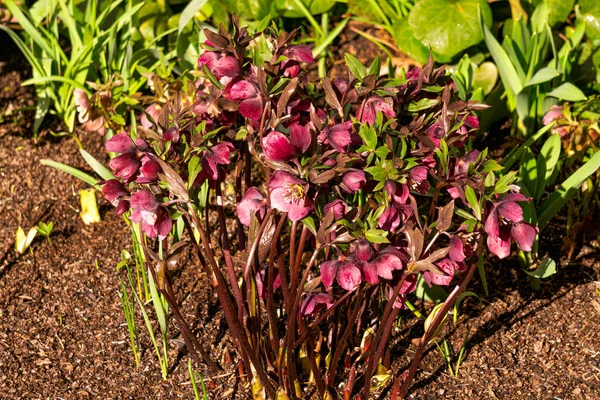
[[374, 171]]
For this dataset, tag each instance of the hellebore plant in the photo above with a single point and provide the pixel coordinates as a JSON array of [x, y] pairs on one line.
[[344, 192]]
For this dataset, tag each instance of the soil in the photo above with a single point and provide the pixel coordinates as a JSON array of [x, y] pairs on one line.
[[63, 332]]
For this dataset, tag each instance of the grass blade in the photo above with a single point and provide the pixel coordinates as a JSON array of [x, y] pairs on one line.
[[90, 180], [566, 190]]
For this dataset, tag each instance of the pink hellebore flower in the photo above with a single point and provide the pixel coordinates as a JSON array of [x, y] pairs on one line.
[[154, 111], [338, 136], [314, 301], [153, 217], [253, 202], [343, 270], [505, 221], [353, 180], [277, 147], [224, 68], [418, 179], [217, 155], [290, 194], [262, 285], [82, 104], [248, 96], [295, 55], [408, 286], [338, 207], [116, 193], [555, 113], [132, 163], [379, 266], [375, 104]]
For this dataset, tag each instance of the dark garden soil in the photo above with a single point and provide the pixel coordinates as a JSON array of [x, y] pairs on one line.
[[63, 333]]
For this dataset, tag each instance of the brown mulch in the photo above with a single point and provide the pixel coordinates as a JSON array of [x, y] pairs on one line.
[[63, 333]]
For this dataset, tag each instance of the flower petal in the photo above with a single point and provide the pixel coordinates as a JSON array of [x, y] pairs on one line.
[[348, 276], [277, 147], [500, 244], [328, 272], [524, 235], [120, 143]]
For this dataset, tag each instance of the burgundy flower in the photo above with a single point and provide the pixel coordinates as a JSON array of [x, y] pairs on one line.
[[290, 194], [132, 156], [148, 212], [262, 285], [472, 121], [505, 222], [171, 135], [116, 193], [337, 136], [444, 278], [460, 169], [312, 301], [408, 286], [224, 68], [373, 266], [253, 202], [295, 55], [353, 180], [343, 270], [375, 104], [248, 96], [217, 155], [418, 179], [338, 207], [278, 147], [148, 171]]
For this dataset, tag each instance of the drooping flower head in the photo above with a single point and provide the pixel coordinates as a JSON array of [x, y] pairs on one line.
[[150, 214], [504, 223]]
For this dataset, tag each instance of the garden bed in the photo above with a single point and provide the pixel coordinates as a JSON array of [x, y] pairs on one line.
[[63, 333]]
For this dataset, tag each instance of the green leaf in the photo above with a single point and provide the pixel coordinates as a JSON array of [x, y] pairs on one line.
[[528, 172], [422, 104], [506, 69], [448, 26], [375, 66], [376, 236], [566, 190], [473, 202], [330, 37], [485, 77], [569, 92], [542, 76], [90, 180], [315, 7], [460, 298], [355, 66], [547, 268], [96, 165], [188, 13], [369, 136], [434, 294], [407, 42], [590, 14], [516, 153], [546, 162], [558, 10]]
